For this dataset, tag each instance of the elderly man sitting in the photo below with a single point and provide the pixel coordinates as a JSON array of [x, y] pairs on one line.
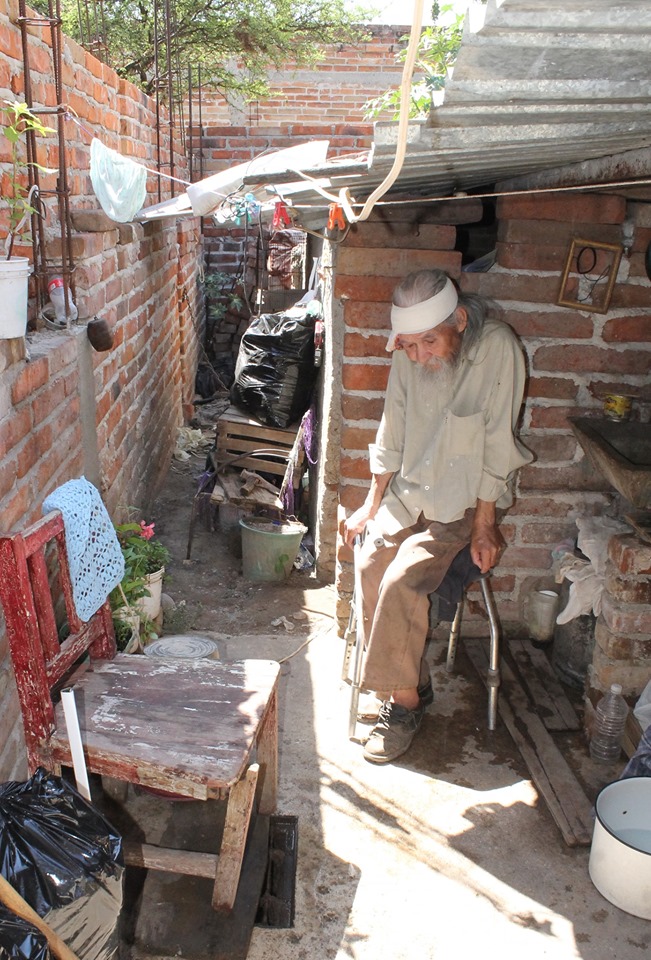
[[442, 467]]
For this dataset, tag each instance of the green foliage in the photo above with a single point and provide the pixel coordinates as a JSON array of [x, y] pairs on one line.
[[142, 555], [219, 290], [123, 632], [234, 41], [437, 51], [19, 121]]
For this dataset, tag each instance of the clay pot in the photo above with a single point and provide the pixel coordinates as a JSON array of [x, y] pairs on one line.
[[99, 334]]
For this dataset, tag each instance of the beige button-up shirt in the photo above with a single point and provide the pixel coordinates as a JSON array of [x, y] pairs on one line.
[[447, 451]]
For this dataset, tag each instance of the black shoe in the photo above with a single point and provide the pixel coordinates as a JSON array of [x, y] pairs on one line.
[[369, 711], [393, 733]]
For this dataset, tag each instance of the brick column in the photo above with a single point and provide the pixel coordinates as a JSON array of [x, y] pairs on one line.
[[623, 632]]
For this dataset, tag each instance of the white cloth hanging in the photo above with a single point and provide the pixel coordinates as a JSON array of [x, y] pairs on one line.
[[120, 184]]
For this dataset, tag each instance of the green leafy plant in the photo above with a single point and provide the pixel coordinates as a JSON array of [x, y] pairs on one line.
[[123, 632], [143, 555], [220, 293], [236, 43], [437, 51], [20, 121]]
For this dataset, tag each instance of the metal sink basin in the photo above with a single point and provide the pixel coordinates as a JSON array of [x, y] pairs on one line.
[[621, 452]]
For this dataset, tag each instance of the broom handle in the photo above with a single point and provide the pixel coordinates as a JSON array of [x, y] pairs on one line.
[[12, 899]]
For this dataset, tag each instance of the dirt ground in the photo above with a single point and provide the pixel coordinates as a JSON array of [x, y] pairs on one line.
[[209, 591]]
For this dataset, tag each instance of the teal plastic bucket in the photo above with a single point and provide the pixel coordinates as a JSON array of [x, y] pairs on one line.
[[269, 549]]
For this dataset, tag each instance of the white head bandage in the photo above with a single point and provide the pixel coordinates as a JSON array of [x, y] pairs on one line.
[[423, 316]]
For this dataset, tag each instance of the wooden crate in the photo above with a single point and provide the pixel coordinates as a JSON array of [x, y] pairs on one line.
[[238, 434]]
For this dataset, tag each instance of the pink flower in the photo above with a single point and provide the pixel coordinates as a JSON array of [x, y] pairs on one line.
[[147, 530]]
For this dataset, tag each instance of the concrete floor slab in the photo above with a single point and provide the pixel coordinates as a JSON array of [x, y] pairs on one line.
[[446, 854]]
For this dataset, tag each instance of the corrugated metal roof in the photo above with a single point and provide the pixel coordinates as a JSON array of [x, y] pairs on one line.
[[537, 86]]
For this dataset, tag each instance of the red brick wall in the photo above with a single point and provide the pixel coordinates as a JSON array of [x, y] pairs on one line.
[[321, 102], [66, 409], [573, 357], [338, 85]]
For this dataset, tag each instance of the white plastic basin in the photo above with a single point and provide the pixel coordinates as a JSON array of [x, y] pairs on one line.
[[620, 856]]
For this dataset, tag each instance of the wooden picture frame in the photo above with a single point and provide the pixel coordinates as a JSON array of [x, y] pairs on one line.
[[589, 275]]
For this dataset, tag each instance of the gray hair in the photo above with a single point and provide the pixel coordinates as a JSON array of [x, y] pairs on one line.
[[424, 284]]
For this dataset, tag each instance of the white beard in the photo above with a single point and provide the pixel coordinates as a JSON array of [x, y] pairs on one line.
[[437, 374]]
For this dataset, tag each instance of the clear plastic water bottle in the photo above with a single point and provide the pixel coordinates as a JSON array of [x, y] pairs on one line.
[[56, 291], [610, 720]]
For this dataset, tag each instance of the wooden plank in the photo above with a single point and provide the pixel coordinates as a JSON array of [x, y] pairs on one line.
[[218, 495], [176, 920], [267, 757], [247, 441], [282, 438], [543, 686], [187, 862], [236, 828], [235, 416], [632, 734], [258, 497], [558, 786]]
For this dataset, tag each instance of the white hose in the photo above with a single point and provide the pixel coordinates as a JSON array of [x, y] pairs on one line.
[[403, 124]]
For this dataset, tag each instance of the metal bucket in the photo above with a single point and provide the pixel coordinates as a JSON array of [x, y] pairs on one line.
[[269, 549], [620, 856]]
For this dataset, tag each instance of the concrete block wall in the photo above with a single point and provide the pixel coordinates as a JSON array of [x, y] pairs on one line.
[[573, 358], [65, 409]]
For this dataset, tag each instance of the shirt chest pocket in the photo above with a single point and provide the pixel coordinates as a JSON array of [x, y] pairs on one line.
[[457, 462]]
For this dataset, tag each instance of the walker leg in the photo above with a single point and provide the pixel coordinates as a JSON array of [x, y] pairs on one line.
[[354, 687], [454, 637], [493, 678]]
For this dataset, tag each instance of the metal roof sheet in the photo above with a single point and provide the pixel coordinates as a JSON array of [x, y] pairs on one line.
[[537, 86]]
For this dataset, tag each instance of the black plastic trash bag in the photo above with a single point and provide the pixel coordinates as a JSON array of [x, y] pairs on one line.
[[65, 860], [275, 372], [19, 939]]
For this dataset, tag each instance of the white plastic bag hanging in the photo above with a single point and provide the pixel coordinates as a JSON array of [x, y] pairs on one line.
[[120, 184]]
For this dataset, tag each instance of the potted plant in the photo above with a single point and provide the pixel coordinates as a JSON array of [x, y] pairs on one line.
[[18, 197], [145, 559]]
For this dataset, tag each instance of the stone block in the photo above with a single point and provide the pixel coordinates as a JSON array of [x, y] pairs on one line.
[[92, 221]]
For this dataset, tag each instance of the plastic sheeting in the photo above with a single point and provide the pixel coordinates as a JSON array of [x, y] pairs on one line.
[[20, 940], [65, 860], [275, 372], [587, 577]]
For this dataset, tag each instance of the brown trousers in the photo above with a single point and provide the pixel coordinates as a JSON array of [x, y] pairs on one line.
[[396, 575]]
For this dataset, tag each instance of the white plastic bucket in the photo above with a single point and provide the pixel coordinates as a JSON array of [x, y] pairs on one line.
[[149, 606], [14, 278], [620, 856]]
